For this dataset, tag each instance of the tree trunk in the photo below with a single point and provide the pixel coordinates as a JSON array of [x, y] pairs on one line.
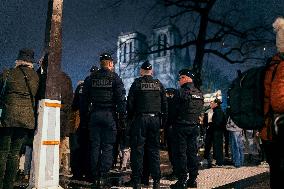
[[200, 47]]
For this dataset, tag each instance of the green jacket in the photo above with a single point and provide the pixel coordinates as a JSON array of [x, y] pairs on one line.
[[18, 107]]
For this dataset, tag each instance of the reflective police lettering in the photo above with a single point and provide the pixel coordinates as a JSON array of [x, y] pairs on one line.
[[101, 83], [149, 86], [196, 96]]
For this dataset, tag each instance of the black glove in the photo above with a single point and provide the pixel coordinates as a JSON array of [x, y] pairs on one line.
[[163, 120], [121, 121]]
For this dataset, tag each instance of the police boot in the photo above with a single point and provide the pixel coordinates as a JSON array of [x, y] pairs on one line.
[[129, 183], [171, 177], [137, 185], [96, 184], [145, 182], [191, 183], [99, 183], [156, 184], [105, 182], [133, 183], [180, 184]]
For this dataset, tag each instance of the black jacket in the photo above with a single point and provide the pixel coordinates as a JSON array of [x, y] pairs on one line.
[[154, 95], [116, 90], [188, 104], [218, 119]]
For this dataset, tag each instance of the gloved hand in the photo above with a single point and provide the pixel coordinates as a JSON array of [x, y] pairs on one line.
[[163, 120], [121, 121]]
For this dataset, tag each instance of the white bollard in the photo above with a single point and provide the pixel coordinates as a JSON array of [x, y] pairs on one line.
[[45, 164]]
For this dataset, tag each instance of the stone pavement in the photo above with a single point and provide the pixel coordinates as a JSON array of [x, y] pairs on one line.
[[250, 176]]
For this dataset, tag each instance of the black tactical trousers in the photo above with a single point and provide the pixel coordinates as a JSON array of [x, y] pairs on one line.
[[170, 143], [11, 141], [145, 134], [103, 132], [185, 151], [80, 162]]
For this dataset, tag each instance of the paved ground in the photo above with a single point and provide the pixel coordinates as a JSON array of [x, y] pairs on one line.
[[250, 176]]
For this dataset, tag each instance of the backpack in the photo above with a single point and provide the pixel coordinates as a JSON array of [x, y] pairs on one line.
[[245, 99]]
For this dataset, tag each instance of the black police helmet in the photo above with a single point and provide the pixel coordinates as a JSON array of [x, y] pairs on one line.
[[106, 56], [94, 68], [187, 72], [170, 90], [146, 65]]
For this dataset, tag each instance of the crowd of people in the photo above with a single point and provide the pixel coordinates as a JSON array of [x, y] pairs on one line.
[[99, 123]]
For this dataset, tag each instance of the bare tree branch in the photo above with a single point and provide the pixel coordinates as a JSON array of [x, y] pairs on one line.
[[225, 57]]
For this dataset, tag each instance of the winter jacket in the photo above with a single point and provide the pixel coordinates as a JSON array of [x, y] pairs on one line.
[[218, 119], [66, 102], [266, 131], [18, 105]]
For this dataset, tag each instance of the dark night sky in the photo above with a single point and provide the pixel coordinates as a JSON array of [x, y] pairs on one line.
[[92, 26]]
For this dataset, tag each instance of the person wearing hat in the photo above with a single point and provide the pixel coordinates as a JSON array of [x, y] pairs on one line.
[[272, 133], [146, 102], [19, 85], [188, 104], [218, 126], [105, 92], [170, 93]]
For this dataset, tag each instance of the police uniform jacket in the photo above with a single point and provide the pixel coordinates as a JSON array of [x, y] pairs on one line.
[[171, 111], [188, 105], [104, 90], [146, 95], [19, 109], [76, 104]]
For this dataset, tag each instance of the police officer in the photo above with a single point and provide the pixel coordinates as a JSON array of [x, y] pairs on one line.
[[106, 92], [80, 154], [170, 93], [146, 101], [188, 105]]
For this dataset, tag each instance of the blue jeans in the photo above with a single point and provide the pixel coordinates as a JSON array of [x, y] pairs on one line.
[[237, 148]]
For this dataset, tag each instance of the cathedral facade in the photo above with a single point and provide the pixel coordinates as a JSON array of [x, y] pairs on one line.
[[134, 48]]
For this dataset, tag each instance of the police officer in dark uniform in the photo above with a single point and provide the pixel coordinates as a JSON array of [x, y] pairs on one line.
[[106, 92], [146, 102], [79, 144], [170, 93], [188, 105]]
